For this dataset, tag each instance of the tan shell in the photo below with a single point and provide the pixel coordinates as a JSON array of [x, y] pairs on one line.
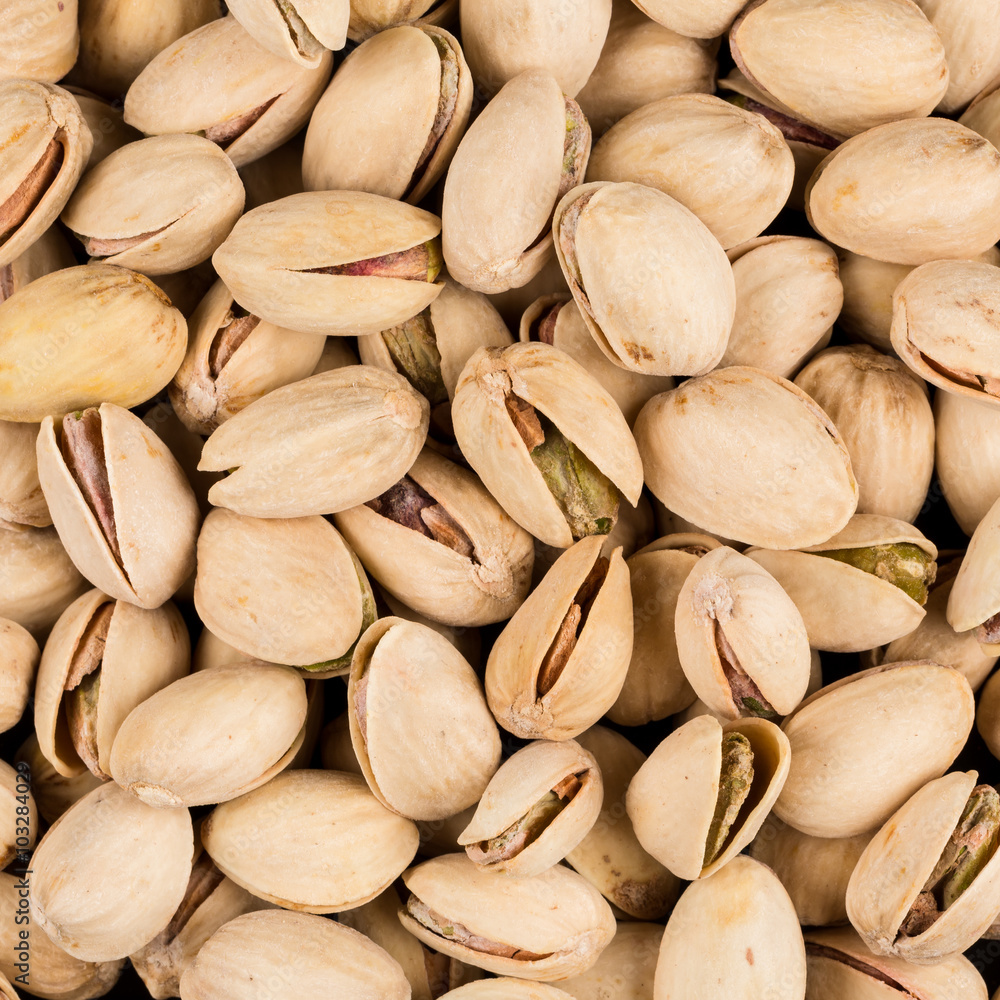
[[970, 33], [441, 730], [38, 55], [988, 715], [466, 640], [19, 654], [226, 748], [109, 874], [868, 287], [107, 126], [53, 793], [333, 441], [981, 115], [556, 916], [770, 459], [298, 955], [50, 252], [21, 500], [863, 745], [625, 969], [298, 31], [975, 596], [694, 18], [507, 989], [369, 17], [734, 934]]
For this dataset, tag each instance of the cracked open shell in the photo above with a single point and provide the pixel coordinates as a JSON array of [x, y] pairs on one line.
[[392, 116], [560, 662], [19, 654], [221, 744], [416, 707], [748, 455], [38, 55], [333, 440], [861, 588], [300, 31], [120, 502], [928, 884], [102, 659], [863, 745], [704, 792], [299, 956], [110, 873], [440, 543], [547, 927], [975, 596]]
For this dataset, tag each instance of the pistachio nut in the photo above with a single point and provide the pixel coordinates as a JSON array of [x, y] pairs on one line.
[[560, 662], [503, 988], [300, 30], [19, 654], [625, 968], [840, 965], [102, 659], [106, 123], [863, 745], [547, 440], [826, 60], [905, 169], [38, 55], [110, 873], [298, 955], [632, 257], [46, 144], [527, 148], [18, 815], [333, 262], [441, 730], [788, 294], [466, 640], [988, 716], [53, 792], [333, 440], [610, 857], [50, 252], [928, 884], [704, 792], [746, 454], [336, 749], [347, 846], [86, 335], [751, 949], [392, 116], [368, 17], [547, 927], [974, 602], [442, 545], [981, 115], [970, 33], [219, 82], [693, 18], [868, 286]]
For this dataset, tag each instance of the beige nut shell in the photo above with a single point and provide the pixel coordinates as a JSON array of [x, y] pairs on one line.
[[975, 595], [299, 31], [20, 654]]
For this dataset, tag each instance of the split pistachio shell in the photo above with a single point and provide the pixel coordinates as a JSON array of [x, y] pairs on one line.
[[348, 846], [300, 31], [625, 968], [368, 17], [970, 33], [102, 659], [560, 662], [53, 792], [734, 934], [121, 503], [22, 502], [975, 596], [19, 654], [849, 774], [906, 168], [507, 989], [225, 748], [693, 18], [547, 927], [298, 956], [312, 262], [746, 454], [333, 440], [676, 799], [38, 55], [442, 729], [109, 874], [442, 545], [50, 252], [392, 116]]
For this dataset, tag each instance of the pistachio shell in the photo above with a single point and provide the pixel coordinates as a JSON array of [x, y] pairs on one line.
[[18, 814], [371, 16], [694, 18], [975, 596], [21, 500], [506, 989], [298, 31], [988, 715], [19, 654], [970, 33], [625, 969], [53, 793], [50, 252], [38, 55], [107, 126]]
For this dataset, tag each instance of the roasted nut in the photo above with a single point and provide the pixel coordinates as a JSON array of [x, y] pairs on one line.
[[19, 654], [300, 31], [38, 55], [974, 602]]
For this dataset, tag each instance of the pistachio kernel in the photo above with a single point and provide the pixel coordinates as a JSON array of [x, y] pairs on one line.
[[747, 697], [236, 327], [410, 505], [902, 564], [413, 348], [419, 263], [791, 128], [447, 103], [735, 779], [543, 329], [83, 688], [15, 211]]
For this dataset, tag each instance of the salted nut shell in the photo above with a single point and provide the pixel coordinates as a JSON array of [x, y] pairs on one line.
[[392, 116], [333, 440], [225, 748], [841, 966], [849, 774], [547, 440], [605, 233], [102, 659], [741, 640], [928, 884], [109, 874], [752, 950], [220, 82], [537, 807], [975, 596], [127, 342], [300, 956], [704, 792], [120, 501], [301, 31], [442, 728], [825, 61], [547, 927], [746, 454], [19, 654], [560, 662], [335, 262], [349, 847], [38, 55], [46, 144], [438, 542], [315, 603], [526, 149]]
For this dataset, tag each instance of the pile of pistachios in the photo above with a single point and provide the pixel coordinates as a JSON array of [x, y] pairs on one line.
[[499, 499]]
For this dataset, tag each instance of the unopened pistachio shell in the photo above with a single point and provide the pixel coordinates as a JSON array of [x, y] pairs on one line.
[[298, 31], [38, 55], [19, 653]]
